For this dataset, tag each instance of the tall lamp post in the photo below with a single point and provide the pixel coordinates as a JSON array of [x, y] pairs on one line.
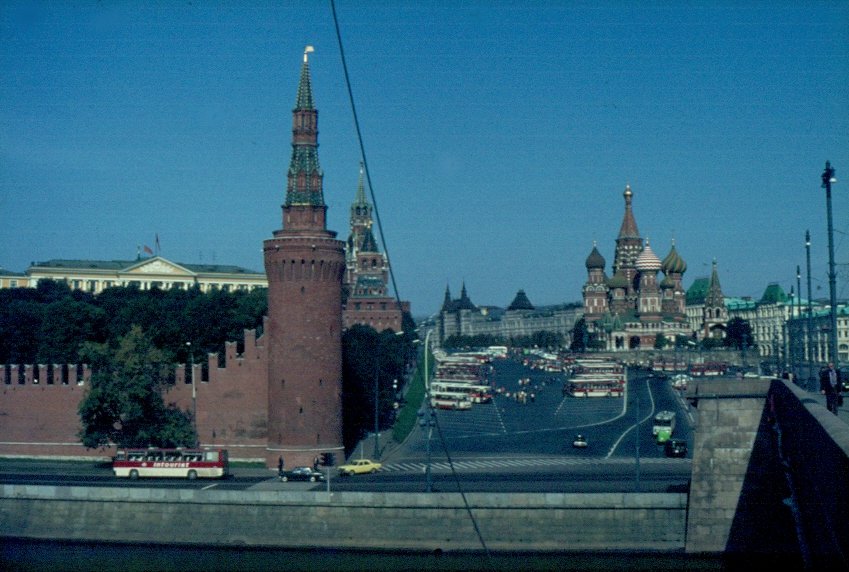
[[810, 329], [428, 410], [377, 402], [194, 390], [799, 338], [827, 180]]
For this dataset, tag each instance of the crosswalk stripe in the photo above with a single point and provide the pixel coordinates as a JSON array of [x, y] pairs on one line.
[[470, 464]]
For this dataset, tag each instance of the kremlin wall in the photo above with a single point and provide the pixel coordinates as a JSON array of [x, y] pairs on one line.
[[39, 416]]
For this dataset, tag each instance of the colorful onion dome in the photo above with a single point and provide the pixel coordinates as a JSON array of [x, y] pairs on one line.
[[647, 260], [673, 263]]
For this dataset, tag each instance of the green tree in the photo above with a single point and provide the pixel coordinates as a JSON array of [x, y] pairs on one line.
[[368, 356], [580, 336], [65, 326], [358, 370], [124, 404], [20, 324], [660, 341]]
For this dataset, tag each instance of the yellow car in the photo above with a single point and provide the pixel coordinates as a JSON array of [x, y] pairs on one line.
[[359, 467]]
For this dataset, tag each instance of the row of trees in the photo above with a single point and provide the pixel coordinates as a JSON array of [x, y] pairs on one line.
[[50, 323]]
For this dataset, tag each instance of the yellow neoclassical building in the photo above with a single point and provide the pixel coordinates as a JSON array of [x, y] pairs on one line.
[[145, 272]]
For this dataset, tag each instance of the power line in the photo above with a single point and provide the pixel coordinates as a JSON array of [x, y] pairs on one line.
[[391, 273], [363, 154]]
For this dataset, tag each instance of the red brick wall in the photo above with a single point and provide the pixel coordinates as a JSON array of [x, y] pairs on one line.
[[40, 419], [232, 405]]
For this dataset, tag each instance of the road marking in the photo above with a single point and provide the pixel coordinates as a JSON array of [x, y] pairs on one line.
[[469, 464]]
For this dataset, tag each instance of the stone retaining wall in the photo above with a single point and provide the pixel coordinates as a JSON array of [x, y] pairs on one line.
[[381, 521]]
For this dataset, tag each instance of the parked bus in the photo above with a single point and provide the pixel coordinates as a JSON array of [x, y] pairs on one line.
[[664, 425], [476, 393], [596, 378], [452, 402], [595, 386], [709, 368], [176, 463]]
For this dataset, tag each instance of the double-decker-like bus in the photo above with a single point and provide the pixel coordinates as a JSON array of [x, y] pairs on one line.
[[596, 386], [596, 378], [176, 463], [663, 426]]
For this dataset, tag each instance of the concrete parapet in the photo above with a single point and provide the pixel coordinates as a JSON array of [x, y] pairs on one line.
[[382, 521]]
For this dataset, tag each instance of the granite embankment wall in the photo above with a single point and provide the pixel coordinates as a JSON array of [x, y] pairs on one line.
[[770, 474], [381, 521]]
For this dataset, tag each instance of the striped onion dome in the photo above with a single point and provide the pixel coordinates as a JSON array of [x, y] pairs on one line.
[[647, 260]]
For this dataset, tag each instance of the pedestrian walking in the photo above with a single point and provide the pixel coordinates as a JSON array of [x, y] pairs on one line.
[[832, 387]]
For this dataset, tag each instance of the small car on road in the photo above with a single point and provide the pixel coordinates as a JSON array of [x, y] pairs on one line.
[[359, 467], [675, 448], [301, 474]]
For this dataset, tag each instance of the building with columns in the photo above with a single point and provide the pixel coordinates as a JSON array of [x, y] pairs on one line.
[[144, 272]]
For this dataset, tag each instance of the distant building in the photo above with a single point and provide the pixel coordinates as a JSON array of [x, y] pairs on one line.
[[707, 313], [365, 295], [94, 276], [460, 317], [631, 309]]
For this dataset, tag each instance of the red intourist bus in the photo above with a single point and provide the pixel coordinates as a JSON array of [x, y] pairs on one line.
[[180, 463]]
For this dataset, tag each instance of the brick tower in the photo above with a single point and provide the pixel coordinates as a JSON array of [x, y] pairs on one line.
[[304, 263]]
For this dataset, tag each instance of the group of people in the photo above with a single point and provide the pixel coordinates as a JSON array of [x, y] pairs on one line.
[[831, 385]]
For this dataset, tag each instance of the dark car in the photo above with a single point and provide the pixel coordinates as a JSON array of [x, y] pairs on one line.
[[301, 474], [676, 448]]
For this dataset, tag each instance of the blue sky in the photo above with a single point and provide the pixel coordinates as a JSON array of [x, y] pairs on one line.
[[499, 135]]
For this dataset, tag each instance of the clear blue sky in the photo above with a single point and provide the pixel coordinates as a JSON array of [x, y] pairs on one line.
[[499, 135]]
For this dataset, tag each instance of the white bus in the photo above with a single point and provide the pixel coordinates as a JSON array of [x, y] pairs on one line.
[[181, 463], [476, 393]]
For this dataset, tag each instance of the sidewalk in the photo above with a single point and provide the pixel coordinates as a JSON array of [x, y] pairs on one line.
[[842, 412]]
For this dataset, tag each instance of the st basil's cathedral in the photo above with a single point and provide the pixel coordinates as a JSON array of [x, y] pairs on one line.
[[632, 309]]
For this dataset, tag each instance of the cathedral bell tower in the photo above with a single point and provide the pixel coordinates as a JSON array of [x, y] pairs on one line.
[[304, 264]]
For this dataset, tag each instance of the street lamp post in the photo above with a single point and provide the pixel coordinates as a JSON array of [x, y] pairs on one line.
[[827, 180], [194, 389], [428, 410], [810, 326], [377, 403]]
